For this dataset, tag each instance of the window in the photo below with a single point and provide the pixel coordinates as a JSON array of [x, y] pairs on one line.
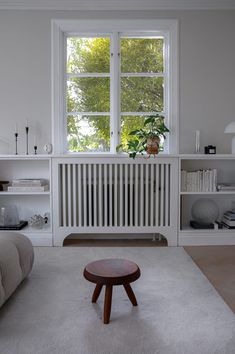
[[109, 81], [88, 94], [143, 80]]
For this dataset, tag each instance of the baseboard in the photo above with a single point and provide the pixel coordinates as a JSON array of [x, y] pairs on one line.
[[41, 240]]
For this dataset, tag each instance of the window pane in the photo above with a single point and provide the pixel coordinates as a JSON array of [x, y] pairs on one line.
[[88, 55], [129, 123], [141, 55], [88, 94], [88, 133], [141, 94]]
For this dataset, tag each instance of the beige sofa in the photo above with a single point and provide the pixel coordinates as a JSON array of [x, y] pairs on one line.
[[16, 261]]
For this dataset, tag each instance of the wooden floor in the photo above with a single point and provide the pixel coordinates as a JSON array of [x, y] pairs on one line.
[[218, 265], [116, 243], [216, 262]]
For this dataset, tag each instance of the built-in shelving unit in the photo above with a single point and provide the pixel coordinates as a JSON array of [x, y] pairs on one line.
[[225, 166], [29, 203], [41, 166]]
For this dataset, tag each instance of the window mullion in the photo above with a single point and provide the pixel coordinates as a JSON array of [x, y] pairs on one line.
[[166, 91], [78, 113], [143, 74], [85, 75], [64, 132], [114, 92], [140, 114]]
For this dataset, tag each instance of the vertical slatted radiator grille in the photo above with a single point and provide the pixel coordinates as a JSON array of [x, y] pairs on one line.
[[114, 195]]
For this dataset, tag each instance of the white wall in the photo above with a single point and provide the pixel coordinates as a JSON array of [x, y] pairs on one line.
[[207, 75]]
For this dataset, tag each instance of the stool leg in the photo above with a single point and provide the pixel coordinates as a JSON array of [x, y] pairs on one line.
[[130, 294], [96, 292], [107, 303]]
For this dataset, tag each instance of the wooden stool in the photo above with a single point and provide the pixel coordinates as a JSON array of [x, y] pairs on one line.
[[110, 272]]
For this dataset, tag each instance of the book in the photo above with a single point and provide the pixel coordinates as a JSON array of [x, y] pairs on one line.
[[29, 182], [227, 226], [228, 222], [229, 215], [28, 188], [199, 181], [226, 187], [183, 181]]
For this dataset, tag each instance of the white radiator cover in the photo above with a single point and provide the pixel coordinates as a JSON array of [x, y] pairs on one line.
[[115, 195]]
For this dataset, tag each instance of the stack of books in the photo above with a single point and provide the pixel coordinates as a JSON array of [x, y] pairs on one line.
[[29, 185], [228, 219], [199, 181]]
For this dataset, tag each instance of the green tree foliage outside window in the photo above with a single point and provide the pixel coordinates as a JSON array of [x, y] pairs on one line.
[[91, 93]]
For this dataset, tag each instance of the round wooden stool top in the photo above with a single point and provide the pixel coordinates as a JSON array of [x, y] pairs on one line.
[[112, 271]]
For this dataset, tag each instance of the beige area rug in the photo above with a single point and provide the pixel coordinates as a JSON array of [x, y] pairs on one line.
[[218, 265], [216, 262], [178, 312]]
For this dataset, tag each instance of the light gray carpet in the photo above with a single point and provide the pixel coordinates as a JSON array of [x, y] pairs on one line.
[[179, 311]]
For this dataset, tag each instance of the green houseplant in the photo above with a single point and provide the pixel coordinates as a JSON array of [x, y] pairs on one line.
[[147, 139]]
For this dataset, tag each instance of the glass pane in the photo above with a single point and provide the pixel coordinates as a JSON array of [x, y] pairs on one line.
[[88, 94], [129, 123], [141, 55], [141, 94], [88, 55], [88, 133]]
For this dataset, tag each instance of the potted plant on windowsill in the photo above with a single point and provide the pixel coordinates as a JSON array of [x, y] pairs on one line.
[[147, 139]]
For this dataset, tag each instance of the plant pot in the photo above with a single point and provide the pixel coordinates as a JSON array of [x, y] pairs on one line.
[[153, 146]]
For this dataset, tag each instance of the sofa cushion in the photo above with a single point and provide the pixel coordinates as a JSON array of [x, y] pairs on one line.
[[16, 261], [24, 248], [10, 270]]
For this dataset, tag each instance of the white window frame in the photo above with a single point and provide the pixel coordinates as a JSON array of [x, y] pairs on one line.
[[60, 29]]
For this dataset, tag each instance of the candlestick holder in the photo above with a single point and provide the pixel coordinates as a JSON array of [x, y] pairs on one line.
[[35, 149], [197, 141], [27, 140], [16, 138]]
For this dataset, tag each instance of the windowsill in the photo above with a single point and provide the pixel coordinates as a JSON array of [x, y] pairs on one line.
[[119, 155]]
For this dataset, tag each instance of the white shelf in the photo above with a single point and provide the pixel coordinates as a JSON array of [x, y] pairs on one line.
[[29, 203], [32, 230], [189, 229], [211, 193], [25, 193], [206, 237], [38, 237], [25, 157], [224, 164], [40, 166], [206, 156]]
